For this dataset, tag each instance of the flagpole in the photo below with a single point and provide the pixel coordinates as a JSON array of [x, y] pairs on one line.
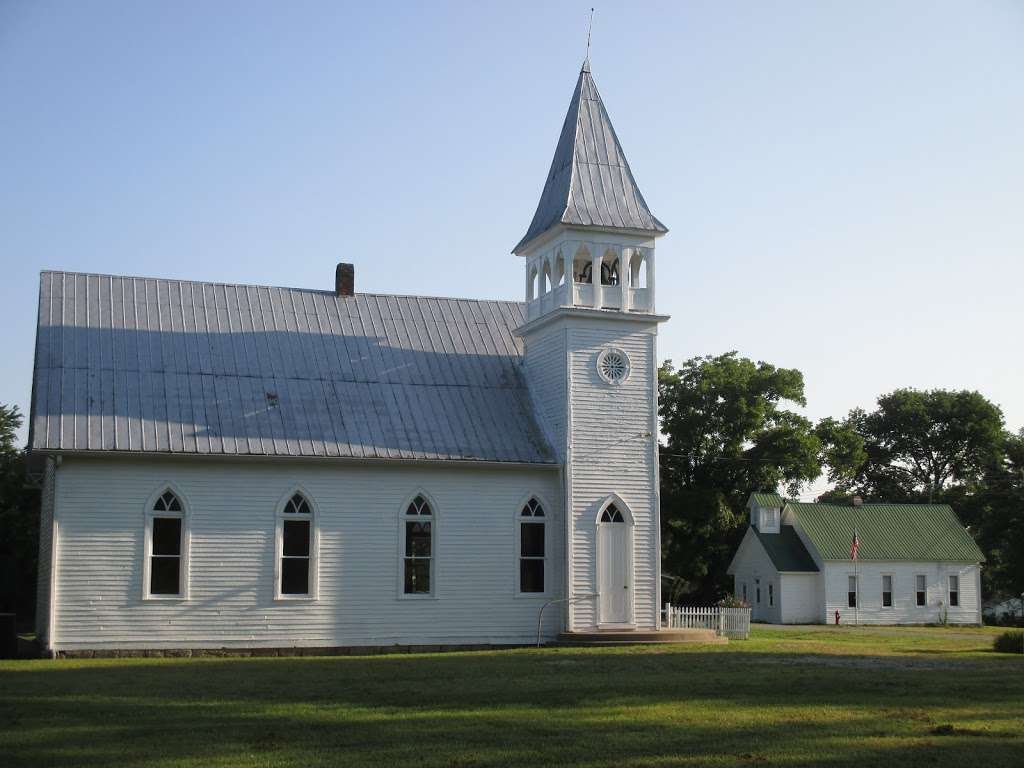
[[856, 583]]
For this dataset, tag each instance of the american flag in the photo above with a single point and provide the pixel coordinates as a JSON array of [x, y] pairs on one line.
[[854, 546]]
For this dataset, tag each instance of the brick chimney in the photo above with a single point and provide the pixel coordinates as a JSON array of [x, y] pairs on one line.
[[345, 280]]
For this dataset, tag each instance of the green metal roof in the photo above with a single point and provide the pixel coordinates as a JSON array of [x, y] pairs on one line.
[[909, 532], [787, 552], [767, 499]]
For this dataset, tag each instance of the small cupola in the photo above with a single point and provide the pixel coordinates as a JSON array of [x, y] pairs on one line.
[[590, 244], [766, 511]]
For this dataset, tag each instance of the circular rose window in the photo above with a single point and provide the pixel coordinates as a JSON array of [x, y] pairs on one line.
[[613, 365]]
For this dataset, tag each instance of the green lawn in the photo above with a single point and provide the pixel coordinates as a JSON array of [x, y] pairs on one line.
[[820, 697]]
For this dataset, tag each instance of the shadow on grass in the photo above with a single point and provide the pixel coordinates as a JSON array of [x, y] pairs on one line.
[[623, 707]]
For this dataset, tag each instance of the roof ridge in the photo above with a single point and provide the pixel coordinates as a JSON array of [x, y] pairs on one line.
[[275, 287]]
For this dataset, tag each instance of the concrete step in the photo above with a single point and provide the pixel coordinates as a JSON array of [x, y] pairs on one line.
[[634, 637]]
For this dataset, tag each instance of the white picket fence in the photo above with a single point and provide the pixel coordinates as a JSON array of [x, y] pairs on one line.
[[728, 622]]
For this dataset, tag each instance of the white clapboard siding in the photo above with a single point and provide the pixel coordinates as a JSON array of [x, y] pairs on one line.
[[753, 568], [904, 609], [231, 523], [610, 455], [601, 430], [800, 598], [545, 370]]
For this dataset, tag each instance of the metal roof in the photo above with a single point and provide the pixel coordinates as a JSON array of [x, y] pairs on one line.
[[766, 499], [787, 553], [590, 183], [168, 366], [908, 532]]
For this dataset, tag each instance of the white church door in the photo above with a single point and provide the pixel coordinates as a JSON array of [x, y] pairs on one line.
[[615, 567]]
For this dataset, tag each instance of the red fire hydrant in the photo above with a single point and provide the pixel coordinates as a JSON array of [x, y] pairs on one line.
[[837, 617]]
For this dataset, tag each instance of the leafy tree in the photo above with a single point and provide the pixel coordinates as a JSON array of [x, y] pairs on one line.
[[938, 446], [19, 521], [726, 434], [916, 446], [997, 510]]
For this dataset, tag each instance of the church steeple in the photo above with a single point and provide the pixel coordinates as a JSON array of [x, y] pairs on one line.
[[589, 184], [591, 242]]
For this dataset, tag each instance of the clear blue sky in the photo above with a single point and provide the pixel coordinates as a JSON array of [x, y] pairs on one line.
[[843, 182]]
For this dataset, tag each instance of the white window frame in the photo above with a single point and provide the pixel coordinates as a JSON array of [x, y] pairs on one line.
[[147, 544], [518, 540], [892, 591], [925, 590], [771, 520], [950, 590], [402, 518], [856, 591], [280, 516]]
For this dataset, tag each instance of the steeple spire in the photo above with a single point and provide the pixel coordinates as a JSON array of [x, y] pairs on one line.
[[589, 183]]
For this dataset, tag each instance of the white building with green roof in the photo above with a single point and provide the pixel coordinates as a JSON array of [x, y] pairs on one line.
[[916, 564]]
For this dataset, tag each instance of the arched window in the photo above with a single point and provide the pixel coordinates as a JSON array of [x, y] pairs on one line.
[[612, 514], [418, 547], [166, 544], [610, 269], [638, 269], [295, 571], [559, 273], [532, 287], [532, 547]]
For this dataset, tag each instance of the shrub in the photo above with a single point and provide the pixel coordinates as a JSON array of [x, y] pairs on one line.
[[1009, 642], [731, 601]]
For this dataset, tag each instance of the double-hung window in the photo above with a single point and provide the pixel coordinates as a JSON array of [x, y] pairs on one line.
[[954, 591], [532, 548], [851, 591], [165, 570], [296, 549], [771, 594], [886, 591], [922, 591], [418, 548]]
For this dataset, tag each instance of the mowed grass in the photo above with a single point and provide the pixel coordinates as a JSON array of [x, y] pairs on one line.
[[814, 697]]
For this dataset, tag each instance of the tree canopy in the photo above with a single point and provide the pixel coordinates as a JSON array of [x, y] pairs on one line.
[[727, 432], [19, 521], [915, 446]]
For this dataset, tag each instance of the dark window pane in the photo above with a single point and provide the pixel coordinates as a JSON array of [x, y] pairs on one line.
[[297, 505], [417, 539], [295, 576], [296, 538], [954, 599], [531, 575], [531, 542], [417, 576], [163, 575], [920, 598], [887, 599], [418, 506], [167, 536], [851, 599]]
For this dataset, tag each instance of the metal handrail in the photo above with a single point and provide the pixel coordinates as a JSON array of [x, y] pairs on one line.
[[540, 617]]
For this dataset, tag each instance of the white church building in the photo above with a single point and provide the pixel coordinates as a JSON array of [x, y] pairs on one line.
[[248, 467], [915, 564]]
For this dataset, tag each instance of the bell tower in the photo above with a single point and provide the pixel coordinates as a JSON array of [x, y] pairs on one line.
[[591, 363]]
